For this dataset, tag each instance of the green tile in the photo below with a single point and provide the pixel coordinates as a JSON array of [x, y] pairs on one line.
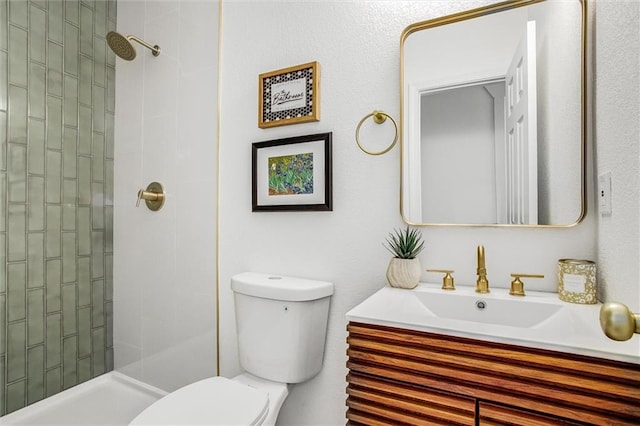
[[35, 317], [3, 263], [108, 182], [98, 351], [54, 123], [86, 30], [42, 4], [54, 277], [54, 340], [54, 381], [84, 130], [108, 359], [69, 300], [16, 396], [56, 21], [36, 146], [112, 8], [54, 69], [70, 49], [111, 92], [54, 177], [84, 369], [68, 258], [16, 351], [100, 61], [70, 102], [17, 173], [84, 281], [52, 237], [69, 363], [100, 18], [84, 331], [16, 291], [71, 12], [17, 115], [97, 260], [18, 61], [35, 210], [97, 304], [35, 374], [108, 135], [3, 325], [3, 411], [3, 140], [108, 310], [69, 151], [19, 13], [98, 108], [98, 157], [108, 277], [84, 181], [108, 231], [4, 23], [85, 80], [69, 194], [37, 34], [37, 98], [84, 231], [35, 259], [17, 238], [3, 80], [97, 207]]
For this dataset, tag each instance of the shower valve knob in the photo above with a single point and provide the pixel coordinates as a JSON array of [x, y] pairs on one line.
[[153, 196]]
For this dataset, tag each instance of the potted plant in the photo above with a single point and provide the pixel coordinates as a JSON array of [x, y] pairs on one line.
[[404, 269]]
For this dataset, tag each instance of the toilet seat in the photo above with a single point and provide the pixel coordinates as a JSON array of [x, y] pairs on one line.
[[212, 401]]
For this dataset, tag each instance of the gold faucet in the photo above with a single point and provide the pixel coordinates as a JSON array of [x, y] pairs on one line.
[[482, 283]]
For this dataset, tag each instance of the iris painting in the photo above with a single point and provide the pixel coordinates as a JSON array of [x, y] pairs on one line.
[[291, 174]]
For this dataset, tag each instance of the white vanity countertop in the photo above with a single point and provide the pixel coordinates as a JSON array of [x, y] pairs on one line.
[[573, 328]]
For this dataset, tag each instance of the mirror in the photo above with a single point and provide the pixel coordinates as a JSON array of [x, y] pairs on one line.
[[493, 116]]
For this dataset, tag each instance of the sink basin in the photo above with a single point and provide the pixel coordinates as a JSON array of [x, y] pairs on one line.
[[488, 309]]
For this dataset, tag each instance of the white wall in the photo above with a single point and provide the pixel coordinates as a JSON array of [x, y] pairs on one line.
[[166, 130]]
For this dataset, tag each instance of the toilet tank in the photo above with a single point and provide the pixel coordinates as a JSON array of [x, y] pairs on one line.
[[281, 324]]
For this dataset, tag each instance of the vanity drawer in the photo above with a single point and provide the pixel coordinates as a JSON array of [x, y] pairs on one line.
[[570, 387]]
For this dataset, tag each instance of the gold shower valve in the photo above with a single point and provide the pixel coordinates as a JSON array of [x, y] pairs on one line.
[[153, 196], [517, 286]]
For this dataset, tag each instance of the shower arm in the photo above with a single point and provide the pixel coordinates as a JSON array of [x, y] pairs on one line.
[[155, 50]]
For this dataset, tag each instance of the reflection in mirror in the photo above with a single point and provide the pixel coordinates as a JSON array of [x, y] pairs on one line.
[[492, 116]]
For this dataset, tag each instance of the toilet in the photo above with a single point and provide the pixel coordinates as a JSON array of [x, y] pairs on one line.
[[281, 325]]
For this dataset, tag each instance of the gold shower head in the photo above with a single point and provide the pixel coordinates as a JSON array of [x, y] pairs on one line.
[[122, 46]]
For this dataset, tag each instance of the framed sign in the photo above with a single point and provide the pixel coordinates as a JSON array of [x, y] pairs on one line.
[[292, 174], [289, 96]]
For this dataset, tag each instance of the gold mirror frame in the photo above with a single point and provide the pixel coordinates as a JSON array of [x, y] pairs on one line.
[[475, 13]]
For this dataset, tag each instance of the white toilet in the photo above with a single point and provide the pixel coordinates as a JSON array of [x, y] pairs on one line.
[[281, 324]]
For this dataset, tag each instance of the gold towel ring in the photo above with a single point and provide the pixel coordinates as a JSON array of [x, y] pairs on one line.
[[379, 117]]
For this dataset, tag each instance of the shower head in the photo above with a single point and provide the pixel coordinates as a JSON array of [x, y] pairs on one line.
[[122, 46]]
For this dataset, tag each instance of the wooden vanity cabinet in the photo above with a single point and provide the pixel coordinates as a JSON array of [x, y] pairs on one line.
[[405, 377]]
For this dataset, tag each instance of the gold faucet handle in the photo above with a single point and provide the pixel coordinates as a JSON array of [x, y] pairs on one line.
[[154, 196], [447, 280], [517, 286]]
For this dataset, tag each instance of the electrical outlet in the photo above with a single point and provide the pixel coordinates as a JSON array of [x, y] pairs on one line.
[[604, 194]]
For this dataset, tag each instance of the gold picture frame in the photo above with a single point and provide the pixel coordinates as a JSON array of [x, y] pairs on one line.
[[289, 95]]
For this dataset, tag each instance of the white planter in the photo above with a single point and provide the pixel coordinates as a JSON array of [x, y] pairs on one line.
[[404, 273]]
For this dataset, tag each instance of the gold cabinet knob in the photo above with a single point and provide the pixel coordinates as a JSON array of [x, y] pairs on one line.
[[447, 280], [153, 196], [517, 286], [618, 322]]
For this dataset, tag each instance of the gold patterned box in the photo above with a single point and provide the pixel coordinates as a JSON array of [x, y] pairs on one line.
[[577, 281]]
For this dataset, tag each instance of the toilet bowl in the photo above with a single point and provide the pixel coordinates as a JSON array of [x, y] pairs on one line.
[[281, 324], [243, 400]]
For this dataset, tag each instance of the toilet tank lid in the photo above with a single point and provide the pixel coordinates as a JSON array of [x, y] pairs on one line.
[[278, 287]]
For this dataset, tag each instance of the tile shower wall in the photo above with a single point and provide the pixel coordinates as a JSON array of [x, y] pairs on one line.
[[57, 103]]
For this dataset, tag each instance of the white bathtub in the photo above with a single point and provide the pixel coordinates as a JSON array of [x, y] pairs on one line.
[[112, 399]]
